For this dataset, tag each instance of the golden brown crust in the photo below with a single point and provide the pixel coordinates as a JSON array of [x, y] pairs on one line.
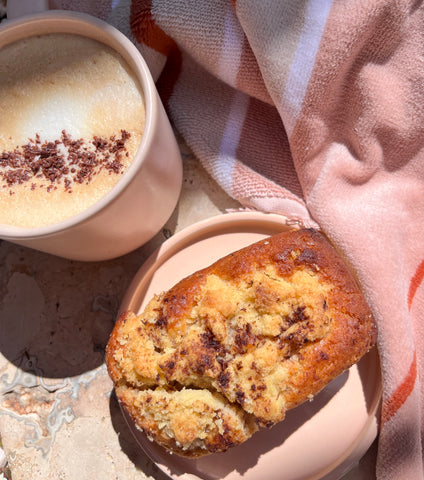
[[258, 332], [188, 422]]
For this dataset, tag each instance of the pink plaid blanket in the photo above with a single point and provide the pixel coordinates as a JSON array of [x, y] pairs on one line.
[[313, 109]]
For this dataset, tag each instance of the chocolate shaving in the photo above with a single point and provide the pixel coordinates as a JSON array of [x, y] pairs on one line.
[[66, 161]]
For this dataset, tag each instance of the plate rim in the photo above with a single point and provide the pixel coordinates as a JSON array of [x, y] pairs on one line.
[[181, 240], [172, 244]]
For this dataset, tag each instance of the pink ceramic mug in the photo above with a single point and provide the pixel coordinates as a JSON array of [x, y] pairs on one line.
[[141, 202]]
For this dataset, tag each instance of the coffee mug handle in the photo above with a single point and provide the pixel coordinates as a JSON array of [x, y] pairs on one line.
[[18, 8]]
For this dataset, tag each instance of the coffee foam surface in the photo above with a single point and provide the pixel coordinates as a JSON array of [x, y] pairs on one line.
[[55, 83]]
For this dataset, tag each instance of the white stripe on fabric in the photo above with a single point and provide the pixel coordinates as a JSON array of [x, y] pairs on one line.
[[232, 47], [304, 59], [223, 168], [230, 58]]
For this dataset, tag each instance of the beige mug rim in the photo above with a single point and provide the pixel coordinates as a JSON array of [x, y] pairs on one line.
[[123, 45]]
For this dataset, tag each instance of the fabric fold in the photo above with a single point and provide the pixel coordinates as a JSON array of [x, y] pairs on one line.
[[313, 109]]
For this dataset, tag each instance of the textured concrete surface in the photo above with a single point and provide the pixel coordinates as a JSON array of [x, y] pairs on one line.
[[58, 417]]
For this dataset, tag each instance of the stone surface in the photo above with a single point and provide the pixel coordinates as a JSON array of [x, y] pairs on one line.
[[58, 416]]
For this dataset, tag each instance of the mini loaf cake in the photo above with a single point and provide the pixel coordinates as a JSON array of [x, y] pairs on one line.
[[234, 346]]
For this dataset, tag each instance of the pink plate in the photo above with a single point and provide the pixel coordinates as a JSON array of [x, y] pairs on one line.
[[321, 439]]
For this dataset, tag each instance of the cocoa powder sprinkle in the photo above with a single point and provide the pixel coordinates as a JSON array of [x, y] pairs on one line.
[[65, 161]]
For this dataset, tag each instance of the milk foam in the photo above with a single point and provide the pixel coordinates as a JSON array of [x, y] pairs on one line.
[[54, 83], [48, 121]]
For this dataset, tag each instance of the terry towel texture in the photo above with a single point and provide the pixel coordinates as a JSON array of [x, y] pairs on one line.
[[313, 109]]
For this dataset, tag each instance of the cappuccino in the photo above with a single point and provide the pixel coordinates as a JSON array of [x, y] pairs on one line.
[[72, 117]]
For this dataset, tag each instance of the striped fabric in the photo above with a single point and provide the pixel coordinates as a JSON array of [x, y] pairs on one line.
[[313, 109]]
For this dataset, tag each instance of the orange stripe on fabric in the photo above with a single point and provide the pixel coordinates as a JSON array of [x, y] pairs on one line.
[[415, 283], [400, 395], [145, 30]]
